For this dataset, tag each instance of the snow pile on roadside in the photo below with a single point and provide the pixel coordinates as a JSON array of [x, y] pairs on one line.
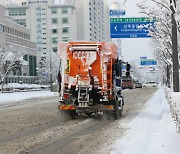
[[152, 131], [174, 101], [18, 96], [25, 86]]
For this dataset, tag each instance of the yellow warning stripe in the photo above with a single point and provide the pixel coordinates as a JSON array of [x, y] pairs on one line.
[[66, 107]]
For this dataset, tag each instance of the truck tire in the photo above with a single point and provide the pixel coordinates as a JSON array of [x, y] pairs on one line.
[[72, 114], [88, 113], [117, 111]]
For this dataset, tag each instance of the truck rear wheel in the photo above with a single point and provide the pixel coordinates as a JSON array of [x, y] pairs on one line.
[[88, 113], [117, 111], [117, 114], [72, 114]]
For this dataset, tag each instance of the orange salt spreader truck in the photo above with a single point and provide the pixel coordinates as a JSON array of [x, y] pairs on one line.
[[90, 78]]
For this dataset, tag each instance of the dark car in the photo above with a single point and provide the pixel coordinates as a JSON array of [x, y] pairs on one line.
[[138, 85]]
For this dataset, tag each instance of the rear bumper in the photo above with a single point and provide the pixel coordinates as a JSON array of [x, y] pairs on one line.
[[93, 108]]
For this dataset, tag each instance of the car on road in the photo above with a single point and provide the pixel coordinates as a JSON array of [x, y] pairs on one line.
[[138, 84], [150, 84]]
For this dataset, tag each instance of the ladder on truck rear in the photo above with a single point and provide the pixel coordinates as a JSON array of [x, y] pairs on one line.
[[106, 75]]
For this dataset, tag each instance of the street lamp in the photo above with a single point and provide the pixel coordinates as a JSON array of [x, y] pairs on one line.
[[50, 56]]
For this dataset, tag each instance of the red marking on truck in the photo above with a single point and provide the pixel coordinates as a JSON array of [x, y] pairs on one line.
[[67, 107]]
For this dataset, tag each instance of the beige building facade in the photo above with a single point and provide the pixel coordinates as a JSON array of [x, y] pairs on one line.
[[18, 37]]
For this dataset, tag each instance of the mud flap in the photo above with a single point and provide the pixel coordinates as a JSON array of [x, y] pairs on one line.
[[118, 109]]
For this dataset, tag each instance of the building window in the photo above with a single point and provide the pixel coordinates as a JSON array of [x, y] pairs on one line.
[[54, 31], [54, 20], [55, 49], [54, 40], [1, 28], [53, 11], [65, 30], [65, 39], [64, 11], [22, 12], [17, 12], [64, 20], [21, 22]]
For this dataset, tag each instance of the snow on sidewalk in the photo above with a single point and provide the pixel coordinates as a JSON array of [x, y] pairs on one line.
[[18, 96], [152, 131]]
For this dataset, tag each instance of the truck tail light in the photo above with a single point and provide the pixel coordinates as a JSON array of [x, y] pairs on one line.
[[66, 96]]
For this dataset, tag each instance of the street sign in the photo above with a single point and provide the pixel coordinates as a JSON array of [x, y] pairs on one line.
[[148, 62], [143, 57], [117, 12], [130, 27]]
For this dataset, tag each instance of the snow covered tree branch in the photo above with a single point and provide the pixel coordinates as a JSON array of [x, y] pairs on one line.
[[162, 37], [10, 58]]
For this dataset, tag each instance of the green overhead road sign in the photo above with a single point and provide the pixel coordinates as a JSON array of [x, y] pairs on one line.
[[141, 19]]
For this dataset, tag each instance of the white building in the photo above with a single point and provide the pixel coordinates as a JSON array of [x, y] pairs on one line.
[[11, 2], [92, 19], [48, 23]]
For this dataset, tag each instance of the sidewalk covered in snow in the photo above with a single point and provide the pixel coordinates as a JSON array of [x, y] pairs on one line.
[[151, 132]]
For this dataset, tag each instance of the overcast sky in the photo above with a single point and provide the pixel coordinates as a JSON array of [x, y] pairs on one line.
[[133, 49]]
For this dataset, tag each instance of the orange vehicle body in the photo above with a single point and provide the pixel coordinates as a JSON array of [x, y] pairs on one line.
[[87, 75]]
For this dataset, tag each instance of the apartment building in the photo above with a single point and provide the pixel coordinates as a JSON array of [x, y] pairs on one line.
[[92, 19], [48, 24]]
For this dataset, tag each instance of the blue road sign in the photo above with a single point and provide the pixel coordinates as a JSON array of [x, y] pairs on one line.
[[117, 12], [130, 27], [143, 57], [148, 62]]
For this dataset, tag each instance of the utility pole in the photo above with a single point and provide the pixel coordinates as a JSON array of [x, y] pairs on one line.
[[175, 57]]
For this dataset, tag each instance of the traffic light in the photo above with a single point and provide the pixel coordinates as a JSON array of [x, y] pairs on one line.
[[128, 69]]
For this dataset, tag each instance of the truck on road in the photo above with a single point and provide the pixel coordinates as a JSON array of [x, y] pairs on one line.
[[90, 78]]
